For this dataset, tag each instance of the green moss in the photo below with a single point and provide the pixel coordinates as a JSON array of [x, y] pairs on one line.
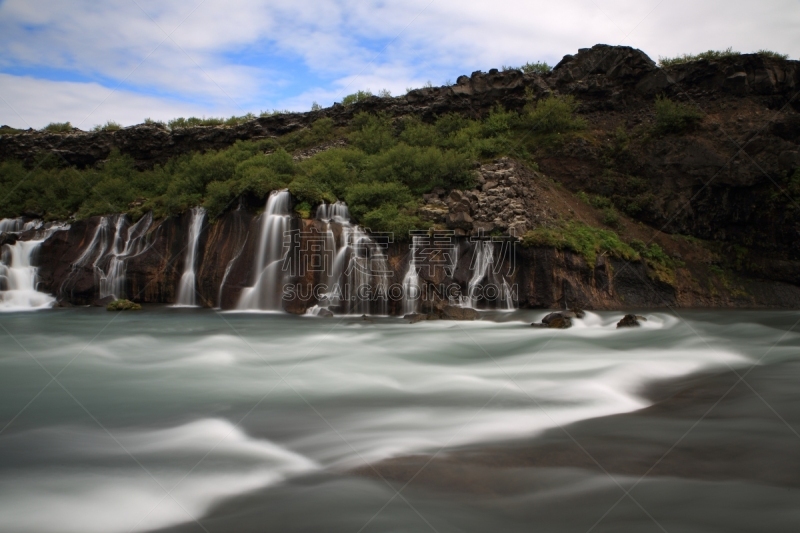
[[123, 305], [582, 239]]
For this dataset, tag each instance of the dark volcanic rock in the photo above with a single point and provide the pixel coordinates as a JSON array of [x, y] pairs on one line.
[[628, 321]]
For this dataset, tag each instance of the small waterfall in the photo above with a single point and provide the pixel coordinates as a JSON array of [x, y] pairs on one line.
[[112, 244], [411, 284], [187, 293], [355, 263], [228, 269], [266, 292], [18, 275], [485, 281]]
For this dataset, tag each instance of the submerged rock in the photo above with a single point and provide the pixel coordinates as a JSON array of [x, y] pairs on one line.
[[447, 312], [558, 320], [454, 312], [123, 305], [629, 321]]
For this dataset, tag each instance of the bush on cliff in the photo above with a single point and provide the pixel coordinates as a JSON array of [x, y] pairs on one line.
[[714, 55], [554, 114], [675, 117], [58, 127]]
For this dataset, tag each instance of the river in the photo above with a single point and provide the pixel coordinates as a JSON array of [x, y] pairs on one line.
[[194, 420]]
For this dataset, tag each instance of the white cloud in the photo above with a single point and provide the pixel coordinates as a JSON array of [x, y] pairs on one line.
[[30, 102], [237, 55]]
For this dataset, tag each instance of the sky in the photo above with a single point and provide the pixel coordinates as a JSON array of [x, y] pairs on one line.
[[89, 62]]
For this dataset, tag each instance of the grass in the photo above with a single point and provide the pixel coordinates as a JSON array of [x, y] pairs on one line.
[[58, 127], [8, 130], [675, 117], [537, 67], [662, 267], [108, 126], [713, 55], [360, 96], [585, 240]]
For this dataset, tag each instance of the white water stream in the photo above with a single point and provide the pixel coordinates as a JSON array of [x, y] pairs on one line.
[[187, 287], [18, 274], [195, 409], [267, 290]]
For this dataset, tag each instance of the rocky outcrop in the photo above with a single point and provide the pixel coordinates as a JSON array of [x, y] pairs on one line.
[[537, 277], [507, 201], [629, 321]]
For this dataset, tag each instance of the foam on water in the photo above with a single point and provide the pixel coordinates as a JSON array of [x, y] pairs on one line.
[[161, 476], [378, 389]]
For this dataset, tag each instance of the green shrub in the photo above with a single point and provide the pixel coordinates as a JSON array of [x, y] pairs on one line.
[[364, 197], [393, 219], [537, 67], [108, 126], [610, 217], [675, 117], [58, 127], [554, 114], [357, 96], [710, 55], [772, 55], [372, 133], [219, 196]]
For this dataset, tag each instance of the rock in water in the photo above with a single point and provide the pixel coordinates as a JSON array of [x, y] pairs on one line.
[[560, 322], [123, 305], [454, 312], [629, 321]]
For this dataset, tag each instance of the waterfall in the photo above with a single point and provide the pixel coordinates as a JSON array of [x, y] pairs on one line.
[[112, 244], [228, 269], [267, 290], [411, 284], [18, 275], [485, 282], [187, 293], [356, 262]]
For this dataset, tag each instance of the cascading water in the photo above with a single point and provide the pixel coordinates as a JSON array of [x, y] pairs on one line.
[[266, 292], [18, 275], [356, 262], [411, 284], [187, 294], [486, 283], [111, 246], [228, 270]]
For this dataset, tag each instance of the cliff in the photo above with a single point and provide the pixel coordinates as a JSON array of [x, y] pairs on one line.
[[720, 198]]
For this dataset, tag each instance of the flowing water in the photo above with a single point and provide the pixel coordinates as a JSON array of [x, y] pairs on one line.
[[265, 293], [139, 421], [18, 272], [187, 286]]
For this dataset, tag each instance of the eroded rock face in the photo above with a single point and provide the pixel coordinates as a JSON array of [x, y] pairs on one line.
[[506, 202]]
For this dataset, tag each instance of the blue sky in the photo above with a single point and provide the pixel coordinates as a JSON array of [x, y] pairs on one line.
[[124, 60]]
